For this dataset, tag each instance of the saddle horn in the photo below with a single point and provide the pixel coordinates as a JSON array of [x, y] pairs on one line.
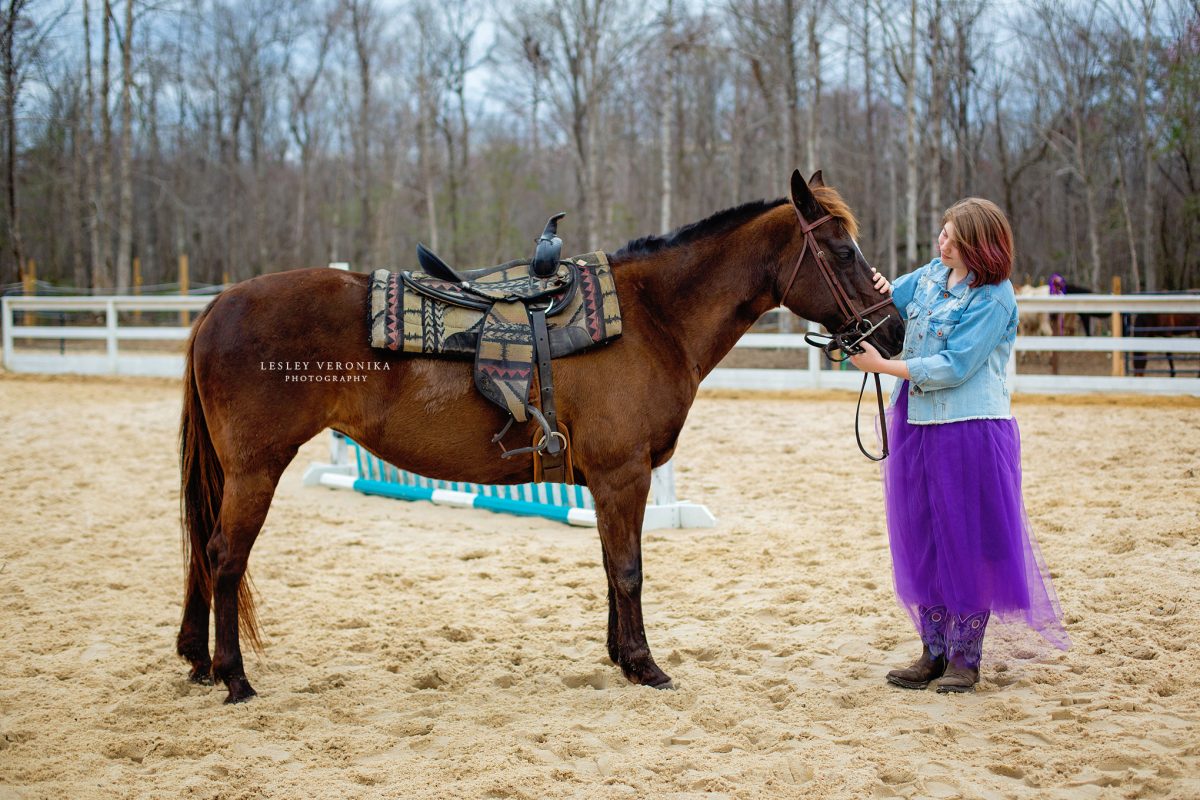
[[549, 248]]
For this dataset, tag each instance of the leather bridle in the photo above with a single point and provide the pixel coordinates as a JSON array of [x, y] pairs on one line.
[[848, 339]]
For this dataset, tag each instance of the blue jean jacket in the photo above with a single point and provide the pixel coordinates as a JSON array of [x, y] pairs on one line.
[[957, 342]]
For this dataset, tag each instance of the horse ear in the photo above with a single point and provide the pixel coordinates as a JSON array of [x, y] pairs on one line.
[[816, 180], [802, 197]]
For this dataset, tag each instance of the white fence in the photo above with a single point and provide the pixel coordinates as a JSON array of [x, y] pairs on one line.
[[114, 362], [816, 376]]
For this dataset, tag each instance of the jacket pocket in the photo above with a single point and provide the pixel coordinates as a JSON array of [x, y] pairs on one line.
[[939, 332]]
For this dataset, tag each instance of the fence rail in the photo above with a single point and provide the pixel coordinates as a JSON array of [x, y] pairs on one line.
[[114, 362], [112, 333]]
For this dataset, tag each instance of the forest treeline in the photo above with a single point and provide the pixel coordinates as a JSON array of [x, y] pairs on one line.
[[260, 135]]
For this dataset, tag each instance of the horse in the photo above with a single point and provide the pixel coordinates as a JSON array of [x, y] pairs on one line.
[[1033, 323], [686, 298], [1164, 325], [1064, 321]]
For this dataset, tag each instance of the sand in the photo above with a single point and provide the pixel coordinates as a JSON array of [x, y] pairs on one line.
[[420, 652]]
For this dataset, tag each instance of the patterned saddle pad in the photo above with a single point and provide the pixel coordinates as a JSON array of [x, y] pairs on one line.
[[488, 320]]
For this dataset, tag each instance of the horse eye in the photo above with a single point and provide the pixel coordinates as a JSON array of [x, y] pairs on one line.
[[846, 255]]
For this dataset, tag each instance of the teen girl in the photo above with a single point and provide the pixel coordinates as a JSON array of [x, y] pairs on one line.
[[962, 550]]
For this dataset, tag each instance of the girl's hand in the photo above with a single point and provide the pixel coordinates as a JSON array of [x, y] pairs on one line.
[[870, 360], [881, 283]]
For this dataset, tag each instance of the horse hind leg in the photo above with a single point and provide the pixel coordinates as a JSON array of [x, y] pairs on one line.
[[192, 643], [244, 508]]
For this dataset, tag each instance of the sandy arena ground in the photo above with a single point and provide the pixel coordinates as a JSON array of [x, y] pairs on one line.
[[418, 652]]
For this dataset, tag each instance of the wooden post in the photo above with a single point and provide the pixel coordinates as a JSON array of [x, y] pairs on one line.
[[29, 289], [1118, 358], [137, 285], [185, 316]]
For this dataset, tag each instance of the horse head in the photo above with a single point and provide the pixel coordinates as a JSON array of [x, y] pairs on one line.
[[830, 281]]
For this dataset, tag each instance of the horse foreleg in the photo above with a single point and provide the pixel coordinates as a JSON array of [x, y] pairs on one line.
[[243, 510], [613, 650], [620, 507]]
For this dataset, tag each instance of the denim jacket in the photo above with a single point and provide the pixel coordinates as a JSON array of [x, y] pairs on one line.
[[957, 342]]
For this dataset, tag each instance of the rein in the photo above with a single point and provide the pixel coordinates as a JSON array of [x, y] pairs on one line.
[[848, 339]]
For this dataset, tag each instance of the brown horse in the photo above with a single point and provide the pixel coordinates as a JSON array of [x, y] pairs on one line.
[[1165, 325], [686, 298]]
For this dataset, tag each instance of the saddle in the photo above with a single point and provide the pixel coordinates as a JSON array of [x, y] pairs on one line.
[[510, 319]]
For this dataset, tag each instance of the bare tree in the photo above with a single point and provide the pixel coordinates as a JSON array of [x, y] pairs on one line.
[[1018, 148], [1066, 39], [901, 47], [430, 83], [765, 33], [303, 75], [588, 45], [1132, 41], [365, 22], [938, 71], [125, 206], [814, 17], [964, 18], [11, 62], [667, 114], [104, 175]]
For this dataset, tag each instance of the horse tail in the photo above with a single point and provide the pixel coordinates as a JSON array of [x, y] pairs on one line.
[[202, 486]]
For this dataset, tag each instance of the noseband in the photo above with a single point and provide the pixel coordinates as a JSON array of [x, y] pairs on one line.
[[856, 327]]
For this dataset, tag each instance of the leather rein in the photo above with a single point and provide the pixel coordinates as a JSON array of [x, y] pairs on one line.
[[848, 339]]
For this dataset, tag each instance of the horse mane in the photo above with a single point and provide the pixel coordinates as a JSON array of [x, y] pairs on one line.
[[833, 203], [718, 223], [730, 218]]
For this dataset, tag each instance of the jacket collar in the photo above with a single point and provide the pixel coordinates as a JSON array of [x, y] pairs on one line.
[[942, 276]]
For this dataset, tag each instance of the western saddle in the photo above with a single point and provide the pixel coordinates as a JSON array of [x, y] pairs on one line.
[[512, 319]]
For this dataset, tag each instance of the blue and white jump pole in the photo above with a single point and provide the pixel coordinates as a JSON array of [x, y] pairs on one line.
[[352, 467]]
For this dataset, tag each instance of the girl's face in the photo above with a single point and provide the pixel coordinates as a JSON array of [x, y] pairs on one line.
[[948, 247]]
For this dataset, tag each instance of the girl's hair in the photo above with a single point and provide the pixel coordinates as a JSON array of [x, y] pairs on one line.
[[984, 238]]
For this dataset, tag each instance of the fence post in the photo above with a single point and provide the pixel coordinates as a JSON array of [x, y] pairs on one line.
[[7, 321], [137, 285], [814, 359], [110, 324], [185, 316], [29, 289], [1118, 357]]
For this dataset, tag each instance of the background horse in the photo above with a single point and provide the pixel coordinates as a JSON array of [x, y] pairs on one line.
[[1165, 325], [686, 299]]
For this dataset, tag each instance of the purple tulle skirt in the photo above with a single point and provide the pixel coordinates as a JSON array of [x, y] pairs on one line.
[[957, 524]]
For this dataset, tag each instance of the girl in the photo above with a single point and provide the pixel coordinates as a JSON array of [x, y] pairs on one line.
[[961, 545]]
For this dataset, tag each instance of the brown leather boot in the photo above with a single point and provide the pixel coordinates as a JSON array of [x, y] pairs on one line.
[[932, 662], [958, 678], [964, 645], [918, 675]]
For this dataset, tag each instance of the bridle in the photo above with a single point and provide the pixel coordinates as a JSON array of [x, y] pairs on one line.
[[848, 339]]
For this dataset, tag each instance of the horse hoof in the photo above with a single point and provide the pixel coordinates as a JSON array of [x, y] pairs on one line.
[[240, 691], [649, 675], [202, 676]]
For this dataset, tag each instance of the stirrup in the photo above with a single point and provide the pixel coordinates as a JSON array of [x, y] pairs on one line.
[[552, 442]]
